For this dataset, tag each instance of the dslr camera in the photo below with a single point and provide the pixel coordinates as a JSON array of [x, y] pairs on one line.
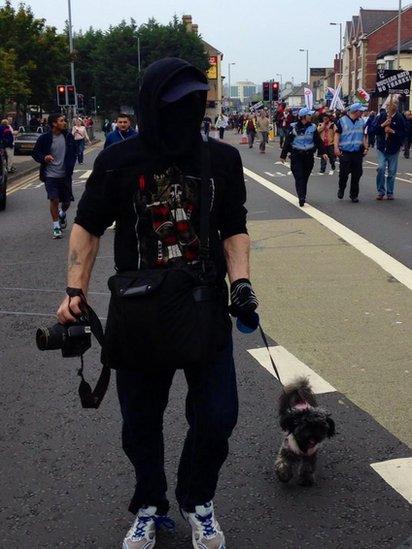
[[73, 339]]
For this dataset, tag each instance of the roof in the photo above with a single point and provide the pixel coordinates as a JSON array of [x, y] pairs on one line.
[[211, 50], [406, 47], [298, 91], [370, 20]]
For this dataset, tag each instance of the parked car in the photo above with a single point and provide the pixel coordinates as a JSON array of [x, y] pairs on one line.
[[24, 142], [3, 180]]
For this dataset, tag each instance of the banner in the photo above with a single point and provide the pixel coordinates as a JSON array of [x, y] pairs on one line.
[[211, 73], [363, 96], [308, 98], [389, 81]]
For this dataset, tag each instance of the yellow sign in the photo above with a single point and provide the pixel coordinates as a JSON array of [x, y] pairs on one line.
[[212, 71]]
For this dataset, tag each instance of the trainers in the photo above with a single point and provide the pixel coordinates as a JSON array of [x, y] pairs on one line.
[[355, 200], [57, 233], [301, 202], [380, 197], [321, 173], [390, 197], [206, 532], [331, 172], [142, 534], [341, 193], [62, 220]]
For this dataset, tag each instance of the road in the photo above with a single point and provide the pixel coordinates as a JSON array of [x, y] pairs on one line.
[[330, 310]]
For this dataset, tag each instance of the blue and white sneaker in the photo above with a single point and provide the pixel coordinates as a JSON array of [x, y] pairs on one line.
[[206, 532], [62, 220], [142, 534]]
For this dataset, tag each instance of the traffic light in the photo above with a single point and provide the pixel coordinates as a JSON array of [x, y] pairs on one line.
[[61, 95], [80, 101], [265, 88], [275, 91], [71, 94]]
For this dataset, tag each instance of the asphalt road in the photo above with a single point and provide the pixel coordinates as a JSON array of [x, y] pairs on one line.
[[327, 308]]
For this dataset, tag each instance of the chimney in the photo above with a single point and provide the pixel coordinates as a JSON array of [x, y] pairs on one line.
[[195, 28], [187, 21]]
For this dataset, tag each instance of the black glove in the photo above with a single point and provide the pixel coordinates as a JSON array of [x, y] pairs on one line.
[[243, 298]]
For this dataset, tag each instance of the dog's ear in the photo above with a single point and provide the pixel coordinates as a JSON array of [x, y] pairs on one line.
[[331, 427], [287, 422]]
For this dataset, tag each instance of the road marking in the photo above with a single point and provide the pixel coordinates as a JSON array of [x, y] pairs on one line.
[[369, 162], [290, 367], [271, 174], [280, 174], [398, 474], [39, 185], [400, 178], [86, 174], [20, 183], [392, 266], [24, 313], [26, 186]]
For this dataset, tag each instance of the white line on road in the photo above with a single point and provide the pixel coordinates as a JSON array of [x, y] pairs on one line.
[[398, 474], [24, 313], [271, 174], [400, 178], [384, 260], [86, 174], [39, 185], [290, 367], [26, 186], [280, 174]]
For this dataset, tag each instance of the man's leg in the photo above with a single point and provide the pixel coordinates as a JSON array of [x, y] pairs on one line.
[[392, 169], [80, 154], [344, 171], [380, 176], [308, 167], [211, 410], [10, 159], [250, 140], [297, 168], [322, 165], [262, 143], [357, 171], [143, 397], [54, 209], [332, 157]]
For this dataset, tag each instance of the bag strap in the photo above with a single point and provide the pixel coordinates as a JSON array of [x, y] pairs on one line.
[[204, 251]]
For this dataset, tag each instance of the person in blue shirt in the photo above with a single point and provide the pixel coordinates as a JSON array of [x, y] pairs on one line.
[[351, 144], [302, 140], [390, 130], [122, 131]]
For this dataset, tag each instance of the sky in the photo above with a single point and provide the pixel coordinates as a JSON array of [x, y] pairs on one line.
[[262, 38]]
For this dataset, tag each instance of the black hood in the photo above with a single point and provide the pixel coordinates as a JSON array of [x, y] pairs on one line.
[[151, 109]]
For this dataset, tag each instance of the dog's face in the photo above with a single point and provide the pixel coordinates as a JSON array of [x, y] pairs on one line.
[[309, 427]]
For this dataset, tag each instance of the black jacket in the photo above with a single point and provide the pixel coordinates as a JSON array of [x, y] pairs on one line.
[[389, 143], [151, 182], [290, 136], [42, 149]]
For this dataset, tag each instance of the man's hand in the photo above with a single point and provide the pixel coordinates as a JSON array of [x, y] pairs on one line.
[[69, 310], [242, 297], [365, 151], [337, 152], [48, 158], [325, 157]]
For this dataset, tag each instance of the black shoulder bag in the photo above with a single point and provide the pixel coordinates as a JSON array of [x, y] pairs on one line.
[[168, 316]]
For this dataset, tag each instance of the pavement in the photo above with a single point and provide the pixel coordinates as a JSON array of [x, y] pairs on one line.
[[333, 308]]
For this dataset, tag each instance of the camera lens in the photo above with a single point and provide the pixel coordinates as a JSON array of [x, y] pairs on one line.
[[49, 339]]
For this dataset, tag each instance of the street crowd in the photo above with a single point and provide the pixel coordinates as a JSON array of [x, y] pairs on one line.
[[335, 136]]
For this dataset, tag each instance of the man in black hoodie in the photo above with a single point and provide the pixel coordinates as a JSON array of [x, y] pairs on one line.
[[150, 185]]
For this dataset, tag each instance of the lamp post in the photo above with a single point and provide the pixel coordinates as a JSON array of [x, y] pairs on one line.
[[281, 84], [307, 64], [71, 53], [340, 48], [230, 89]]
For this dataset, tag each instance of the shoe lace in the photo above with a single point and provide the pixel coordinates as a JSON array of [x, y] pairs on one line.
[[140, 527], [161, 522], [207, 524]]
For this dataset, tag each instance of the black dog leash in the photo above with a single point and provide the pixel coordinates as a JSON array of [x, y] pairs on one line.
[[265, 341]]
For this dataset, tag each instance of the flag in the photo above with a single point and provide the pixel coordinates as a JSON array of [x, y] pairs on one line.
[[363, 95], [308, 98], [336, 102]]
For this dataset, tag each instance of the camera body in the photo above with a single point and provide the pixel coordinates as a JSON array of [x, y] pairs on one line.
[[73, 339]]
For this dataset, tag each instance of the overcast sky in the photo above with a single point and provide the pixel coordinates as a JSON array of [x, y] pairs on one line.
[[262, 38]]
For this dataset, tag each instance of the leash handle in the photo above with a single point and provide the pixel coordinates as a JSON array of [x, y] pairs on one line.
[[265, 341]]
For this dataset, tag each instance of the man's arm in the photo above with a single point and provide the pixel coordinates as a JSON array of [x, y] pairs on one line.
[[237, 250], [83, 250], [336, 140]]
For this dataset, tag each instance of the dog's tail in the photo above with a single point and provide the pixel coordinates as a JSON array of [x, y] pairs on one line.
[[298, 391]]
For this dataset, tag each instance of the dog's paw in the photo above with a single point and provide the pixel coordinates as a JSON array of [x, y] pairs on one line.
[[307, 479], [283, 471]]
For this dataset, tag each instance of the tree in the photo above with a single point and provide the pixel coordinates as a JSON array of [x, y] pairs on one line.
[[13, 81]]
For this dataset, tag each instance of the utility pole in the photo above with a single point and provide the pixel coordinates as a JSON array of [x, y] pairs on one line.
[[138, 58], [230, 89], [399, 35], [281, 84], [307, 65], [73, 82]]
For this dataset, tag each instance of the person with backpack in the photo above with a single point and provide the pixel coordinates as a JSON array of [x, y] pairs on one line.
[[178, 201]]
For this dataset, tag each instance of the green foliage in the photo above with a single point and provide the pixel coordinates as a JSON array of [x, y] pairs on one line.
[[13, 80]]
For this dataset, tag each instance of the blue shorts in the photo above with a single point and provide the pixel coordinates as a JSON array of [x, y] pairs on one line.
[[59, 187]]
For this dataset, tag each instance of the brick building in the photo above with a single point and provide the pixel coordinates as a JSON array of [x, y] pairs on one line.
[[366, 36]]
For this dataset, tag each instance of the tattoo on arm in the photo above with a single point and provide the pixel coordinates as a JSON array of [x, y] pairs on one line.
[[74, 260]]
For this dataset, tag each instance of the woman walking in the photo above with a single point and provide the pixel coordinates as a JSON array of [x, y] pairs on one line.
[[80, 136], [221, 125]]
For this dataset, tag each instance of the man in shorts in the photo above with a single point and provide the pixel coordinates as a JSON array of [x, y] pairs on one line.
[[55, 151]]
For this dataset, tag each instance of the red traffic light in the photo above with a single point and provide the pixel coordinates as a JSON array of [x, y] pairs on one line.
[[275, 85], [61, 89]]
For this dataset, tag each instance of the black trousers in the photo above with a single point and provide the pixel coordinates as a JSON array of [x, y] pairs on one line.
[[350, 163], [332, 159], [301, 164], [211, 411]]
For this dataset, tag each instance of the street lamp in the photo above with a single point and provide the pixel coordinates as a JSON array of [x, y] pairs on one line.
[[281, 84], [230, 89], [399, 35], [340, 48], [71, 52], [307, 64]]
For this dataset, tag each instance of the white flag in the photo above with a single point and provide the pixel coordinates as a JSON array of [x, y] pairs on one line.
[[336, 102], [308, 98]]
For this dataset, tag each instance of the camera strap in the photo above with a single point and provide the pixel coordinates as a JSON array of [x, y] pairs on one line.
[[91, 398], [204, 222]]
